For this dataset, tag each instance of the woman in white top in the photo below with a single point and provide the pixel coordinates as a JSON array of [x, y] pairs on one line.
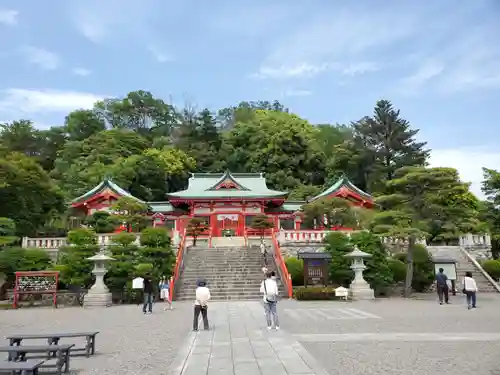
[[470, 288]]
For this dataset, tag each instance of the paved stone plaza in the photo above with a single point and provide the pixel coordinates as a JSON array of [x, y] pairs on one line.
[[378, 337]]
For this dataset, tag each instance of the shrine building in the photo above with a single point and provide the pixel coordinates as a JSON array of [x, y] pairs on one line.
[[226, 201]]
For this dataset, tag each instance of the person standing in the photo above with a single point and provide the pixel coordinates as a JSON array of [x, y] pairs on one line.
[[263, 252], [442, 286], [165, 292], [148, 291], [269, 288], [470, 289], [200, 305]]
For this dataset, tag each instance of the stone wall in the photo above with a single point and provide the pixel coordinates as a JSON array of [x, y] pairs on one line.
[[64, 298]]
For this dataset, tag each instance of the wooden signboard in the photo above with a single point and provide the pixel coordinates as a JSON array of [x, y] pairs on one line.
[[315, 267]]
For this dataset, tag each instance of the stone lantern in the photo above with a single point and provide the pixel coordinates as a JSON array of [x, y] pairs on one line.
[[99, 295], [359, 288]]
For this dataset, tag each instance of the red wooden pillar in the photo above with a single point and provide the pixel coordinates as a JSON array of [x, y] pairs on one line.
[[241, 224], [213, 225]]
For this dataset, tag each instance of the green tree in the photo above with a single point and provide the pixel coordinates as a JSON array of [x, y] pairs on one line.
[[415, 204], [7, 232], [154, 172], [27, 194], [278, 143], [381, 144], [304, 192], [83, 123], [156, 249], [200, 138], [131, 212], [490, 209], [81, 165], [19, 259], [51, 141], [139, 111], [262, 223], [423, 268], [338, 245], [378, 273], [196, 227], [74, 267], [334, 212], [102, 222], [20, 136]]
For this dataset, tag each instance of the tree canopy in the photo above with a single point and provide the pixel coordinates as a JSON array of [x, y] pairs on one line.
[[149, 147]]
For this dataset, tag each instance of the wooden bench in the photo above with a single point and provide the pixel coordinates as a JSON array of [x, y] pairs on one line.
[[24, 368], [54, 338], [58, 352]]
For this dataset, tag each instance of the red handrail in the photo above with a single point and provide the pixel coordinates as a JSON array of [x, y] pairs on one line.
[[178, 263], [280, 262]]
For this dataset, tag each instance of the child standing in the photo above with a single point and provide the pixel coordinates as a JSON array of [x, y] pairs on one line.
[[165, 292]]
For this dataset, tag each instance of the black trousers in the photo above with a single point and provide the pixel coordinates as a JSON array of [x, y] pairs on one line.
[[443, 292], [204, 314]]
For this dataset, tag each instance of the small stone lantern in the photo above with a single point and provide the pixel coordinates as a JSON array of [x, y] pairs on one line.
[[99, 295], [359, 288]]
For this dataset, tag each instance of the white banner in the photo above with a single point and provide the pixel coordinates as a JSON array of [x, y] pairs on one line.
[[232, 217]]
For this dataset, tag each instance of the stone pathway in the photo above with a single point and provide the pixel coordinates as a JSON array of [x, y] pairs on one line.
[[239, 344]]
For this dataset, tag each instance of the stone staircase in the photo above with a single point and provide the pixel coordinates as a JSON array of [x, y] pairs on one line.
[[231, 272], [463, 264]]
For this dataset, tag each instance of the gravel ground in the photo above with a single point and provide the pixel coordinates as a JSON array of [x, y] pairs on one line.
[[409, 358], [128, 343], [131, 343]]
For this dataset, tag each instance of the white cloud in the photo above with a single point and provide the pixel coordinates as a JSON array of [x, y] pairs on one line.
[[297, 93], [159, 54], [103, 21], [469, 162], [9, 17], [82, 72], [41, 57], [428, 70], [38, 101], [345, 40]]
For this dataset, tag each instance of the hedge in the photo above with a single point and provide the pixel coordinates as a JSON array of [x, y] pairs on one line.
[[492, 266], [314, 293]]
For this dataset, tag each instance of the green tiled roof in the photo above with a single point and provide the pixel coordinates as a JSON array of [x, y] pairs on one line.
[[288, 206], [105, 184], [250, 185], [161, 207], [342, 182]]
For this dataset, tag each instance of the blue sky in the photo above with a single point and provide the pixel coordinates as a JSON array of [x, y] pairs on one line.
[[329, 61]]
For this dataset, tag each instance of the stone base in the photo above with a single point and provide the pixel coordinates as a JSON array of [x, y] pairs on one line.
[[97, 300], [361, 292]]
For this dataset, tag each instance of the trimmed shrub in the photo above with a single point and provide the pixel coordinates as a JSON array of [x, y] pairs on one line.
[[296, 270], [492, 266], [423, 268], [378, 273], [398, 269], [338, 245], [314, 293]]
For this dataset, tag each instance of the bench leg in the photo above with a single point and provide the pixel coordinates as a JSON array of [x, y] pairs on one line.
[[88, 346], [66, 362]]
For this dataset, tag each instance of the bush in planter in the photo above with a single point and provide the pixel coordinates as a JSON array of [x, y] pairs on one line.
[[398, 269], [314, 293], [296, 270], [492, 266], [423, 268]]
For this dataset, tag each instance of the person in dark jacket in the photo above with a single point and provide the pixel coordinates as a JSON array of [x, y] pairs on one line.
[[148, 291], [442, 287]]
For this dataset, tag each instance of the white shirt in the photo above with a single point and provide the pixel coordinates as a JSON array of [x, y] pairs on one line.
[[271, 287], [202, 295], [469, 284]]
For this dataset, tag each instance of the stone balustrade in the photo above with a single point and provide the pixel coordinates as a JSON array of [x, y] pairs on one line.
[[53, 243], [475, 240]]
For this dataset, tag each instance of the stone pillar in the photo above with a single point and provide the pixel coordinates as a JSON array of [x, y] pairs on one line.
[[359, 288], [98, 295]]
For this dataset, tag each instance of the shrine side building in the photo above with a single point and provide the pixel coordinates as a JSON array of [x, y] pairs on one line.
[[226, 201]]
